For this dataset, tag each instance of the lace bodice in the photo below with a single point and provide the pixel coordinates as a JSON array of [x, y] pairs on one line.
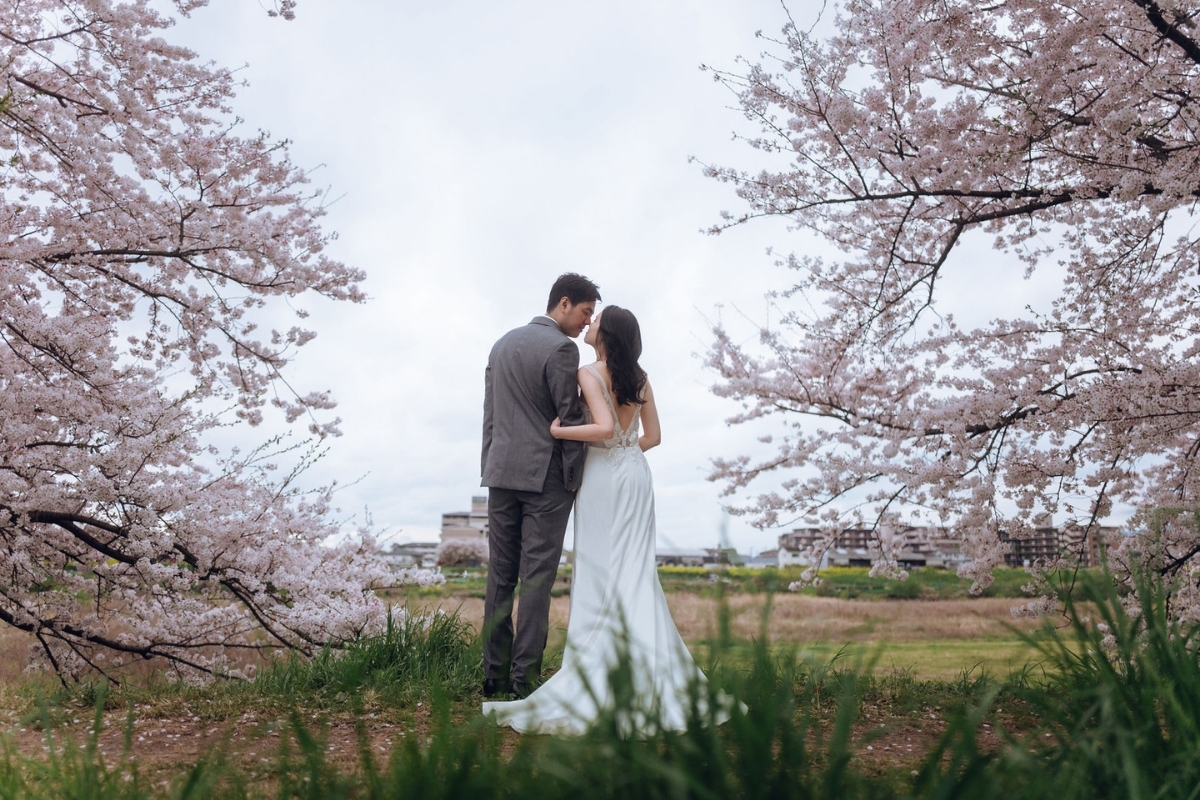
[[620, 438]]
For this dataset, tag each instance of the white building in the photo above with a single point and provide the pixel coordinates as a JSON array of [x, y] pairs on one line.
[[411, 554], [920, 547], [932, 547], [767, 558], [677, 557], [467, 524]]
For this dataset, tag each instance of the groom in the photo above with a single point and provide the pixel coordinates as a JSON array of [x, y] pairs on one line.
[[531, 478]]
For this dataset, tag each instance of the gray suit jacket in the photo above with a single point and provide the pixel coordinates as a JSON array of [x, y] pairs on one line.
[[530, 380]]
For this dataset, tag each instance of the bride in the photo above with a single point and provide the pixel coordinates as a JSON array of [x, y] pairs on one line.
[[617, 603]]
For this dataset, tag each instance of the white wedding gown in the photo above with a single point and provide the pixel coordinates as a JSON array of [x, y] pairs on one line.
[[616, 603]]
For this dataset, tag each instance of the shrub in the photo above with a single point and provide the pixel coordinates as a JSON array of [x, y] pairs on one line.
[[1122, 703], [903, 590], [416, 654], [678, 570]]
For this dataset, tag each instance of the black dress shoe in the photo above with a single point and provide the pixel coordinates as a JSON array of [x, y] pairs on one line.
[[522, 690], [496, 687]]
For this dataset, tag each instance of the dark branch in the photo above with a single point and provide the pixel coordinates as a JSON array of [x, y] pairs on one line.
[[1170, 30]]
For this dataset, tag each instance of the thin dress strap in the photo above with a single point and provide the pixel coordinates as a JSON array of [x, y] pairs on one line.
[[592, 369], [618, 436], [607, 395], [622, 437]]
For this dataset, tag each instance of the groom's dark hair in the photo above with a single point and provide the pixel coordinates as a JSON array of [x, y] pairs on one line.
[[575, 288]]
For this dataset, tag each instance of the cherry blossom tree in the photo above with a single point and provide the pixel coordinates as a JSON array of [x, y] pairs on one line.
[[1067, 135], [462, 552], [144, 237]]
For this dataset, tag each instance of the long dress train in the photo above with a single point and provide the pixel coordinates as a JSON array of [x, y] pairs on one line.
[[617, 605]]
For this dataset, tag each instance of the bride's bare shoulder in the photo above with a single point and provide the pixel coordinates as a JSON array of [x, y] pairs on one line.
[[598, 366]]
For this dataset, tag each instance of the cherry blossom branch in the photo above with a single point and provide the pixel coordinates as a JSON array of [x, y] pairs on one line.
[[1171, 31], [1065, 135]]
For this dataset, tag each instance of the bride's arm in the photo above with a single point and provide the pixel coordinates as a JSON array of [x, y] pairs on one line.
[[651, 432], [601, 426]]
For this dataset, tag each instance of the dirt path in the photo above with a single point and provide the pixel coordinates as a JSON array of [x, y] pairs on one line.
[[163, 746]]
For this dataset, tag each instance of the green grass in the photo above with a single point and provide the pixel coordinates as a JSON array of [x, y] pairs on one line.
[[763, 751], [462, 582], [1116, 717], [1121, 703], [926, 584], [415, 656], [849, 583]]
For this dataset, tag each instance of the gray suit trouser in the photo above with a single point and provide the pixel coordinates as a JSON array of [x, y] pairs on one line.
[[525, 540]]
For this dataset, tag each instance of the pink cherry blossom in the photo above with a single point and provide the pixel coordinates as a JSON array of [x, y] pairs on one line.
[[146, 238], [1067, 134]]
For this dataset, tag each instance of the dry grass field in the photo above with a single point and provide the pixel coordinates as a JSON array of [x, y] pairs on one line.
[[935, 639]]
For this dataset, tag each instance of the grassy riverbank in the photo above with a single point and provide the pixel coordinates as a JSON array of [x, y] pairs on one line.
[[840, 715]]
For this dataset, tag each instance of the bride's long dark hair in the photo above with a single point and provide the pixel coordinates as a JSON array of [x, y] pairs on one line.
[[622, 338]]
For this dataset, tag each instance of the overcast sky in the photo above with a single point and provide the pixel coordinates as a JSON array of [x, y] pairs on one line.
[[477, 150]]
